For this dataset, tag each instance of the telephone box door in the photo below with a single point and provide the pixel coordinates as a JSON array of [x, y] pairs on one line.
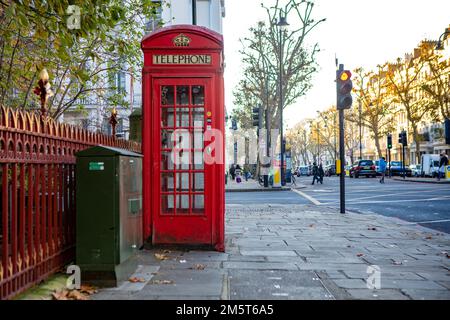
[[182, 207]]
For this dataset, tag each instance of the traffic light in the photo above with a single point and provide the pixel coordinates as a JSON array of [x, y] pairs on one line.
[[389, 141], [344, 87], [257, 116], [403, 138]]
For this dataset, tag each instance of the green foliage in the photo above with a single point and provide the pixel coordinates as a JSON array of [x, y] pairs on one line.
[[37, 34]]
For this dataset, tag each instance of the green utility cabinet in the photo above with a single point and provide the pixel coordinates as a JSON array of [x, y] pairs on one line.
[[109, 214]]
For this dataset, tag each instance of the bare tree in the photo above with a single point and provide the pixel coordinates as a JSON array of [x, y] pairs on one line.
[[261, 55]]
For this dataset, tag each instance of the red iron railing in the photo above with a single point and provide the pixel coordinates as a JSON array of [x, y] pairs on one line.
[[37, 199]]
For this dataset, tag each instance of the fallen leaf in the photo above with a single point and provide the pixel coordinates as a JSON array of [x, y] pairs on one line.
[[88, 289], [311, 225], [429, 238], [162, 281], [372, 228], [198, 266], [397, 263], [161, 256], [167, 251], [60, 295], [136, 279], [359, 254], [77, 295]]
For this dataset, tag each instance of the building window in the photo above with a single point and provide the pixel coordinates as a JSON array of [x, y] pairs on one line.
[[121, 83], [156, 22]]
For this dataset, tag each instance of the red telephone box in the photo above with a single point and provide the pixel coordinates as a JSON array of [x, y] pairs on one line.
[[183, 120]]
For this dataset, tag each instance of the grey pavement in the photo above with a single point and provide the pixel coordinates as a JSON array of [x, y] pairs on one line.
[[253, 186], [295, 251]]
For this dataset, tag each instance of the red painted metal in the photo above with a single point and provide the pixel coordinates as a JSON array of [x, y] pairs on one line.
[[172, 203], [37, 224]]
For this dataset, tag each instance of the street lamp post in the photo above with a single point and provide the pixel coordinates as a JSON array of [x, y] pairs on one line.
[[360, 131], [282, 23], [439, 45]]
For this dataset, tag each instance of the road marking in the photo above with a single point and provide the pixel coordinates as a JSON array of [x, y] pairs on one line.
[[281, 294], [431, 221], [304, 195]]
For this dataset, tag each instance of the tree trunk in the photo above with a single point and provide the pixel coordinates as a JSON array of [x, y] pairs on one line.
[[416, 138], [377, 145]]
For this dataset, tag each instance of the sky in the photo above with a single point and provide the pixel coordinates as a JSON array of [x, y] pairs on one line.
[[361, 33]]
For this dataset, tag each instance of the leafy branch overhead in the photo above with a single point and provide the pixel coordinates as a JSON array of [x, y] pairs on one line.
[[80, 60], [261, 59]]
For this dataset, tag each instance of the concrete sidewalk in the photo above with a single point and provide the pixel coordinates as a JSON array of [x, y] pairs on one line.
[[299, 252], [422, 180]]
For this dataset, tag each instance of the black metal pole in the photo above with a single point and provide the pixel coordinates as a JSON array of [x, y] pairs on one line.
[[403, 160], [389, 157], [266, 176], [342, 160], [283, 181], [360, 132], [335, 138], [194, 12], [318, 144]]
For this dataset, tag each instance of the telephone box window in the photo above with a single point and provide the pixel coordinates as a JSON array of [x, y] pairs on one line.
[[166, 139], [167, 117], [167, 95], [167, 181], [166, 161], [167, 202], [198, 117], [198, 182], [183, 117], [198, 203], [198, 95], [182, 95]]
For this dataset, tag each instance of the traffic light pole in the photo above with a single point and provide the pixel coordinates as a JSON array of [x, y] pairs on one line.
[[389, 157], [343, 101], [342, 160], [403, 161]]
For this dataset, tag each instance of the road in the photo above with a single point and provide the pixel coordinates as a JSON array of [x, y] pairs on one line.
[[421, 203]]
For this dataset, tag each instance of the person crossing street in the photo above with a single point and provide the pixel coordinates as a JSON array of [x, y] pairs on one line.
[[315, 172], [382, 168]]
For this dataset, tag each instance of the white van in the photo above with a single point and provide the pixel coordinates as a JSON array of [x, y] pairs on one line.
[[430, 165]]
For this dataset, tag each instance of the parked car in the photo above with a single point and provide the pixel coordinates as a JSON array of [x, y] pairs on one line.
[[377, 167], [363, 168], [416, 170], [397, 170], [302, 171], [330, 170]]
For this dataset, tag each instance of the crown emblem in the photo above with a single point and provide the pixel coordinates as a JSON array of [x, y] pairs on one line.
[[181, 41]]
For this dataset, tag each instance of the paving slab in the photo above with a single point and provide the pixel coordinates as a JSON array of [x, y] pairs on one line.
[[382, 294], [300, 252], [275, 285]]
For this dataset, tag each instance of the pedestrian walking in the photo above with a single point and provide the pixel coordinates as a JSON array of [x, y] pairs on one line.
[[443, 162], [315, 172], [321, 173], [238, 173], [382, 168], [232, 172]]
